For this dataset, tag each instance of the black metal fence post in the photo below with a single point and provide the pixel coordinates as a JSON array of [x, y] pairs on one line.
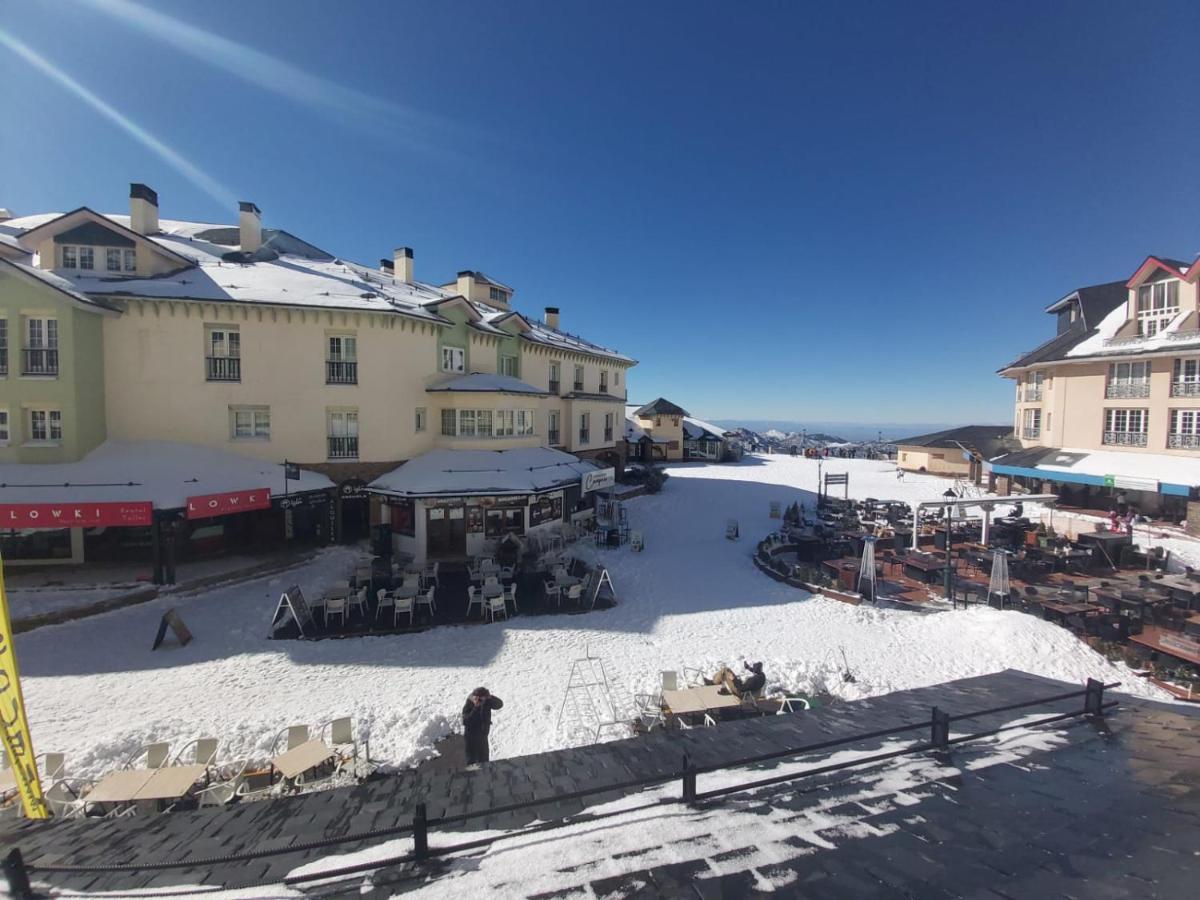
[[420, 832], [1093, 701], [16, 876], [939, 730], [689, 781]]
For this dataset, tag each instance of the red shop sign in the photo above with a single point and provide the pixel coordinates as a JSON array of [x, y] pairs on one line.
[[208, 505], [77, 515]]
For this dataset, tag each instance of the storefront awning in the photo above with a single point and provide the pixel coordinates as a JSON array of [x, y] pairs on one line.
[[1154, 472], [118, 482], [464, 473]]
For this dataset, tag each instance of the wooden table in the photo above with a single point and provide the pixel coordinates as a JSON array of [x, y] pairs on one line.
[[120, 787], [707, 698], [1070, 609], [300, 759], [927, 568], [171, 782]]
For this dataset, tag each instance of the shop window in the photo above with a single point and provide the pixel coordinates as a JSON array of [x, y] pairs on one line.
[[499, 522]]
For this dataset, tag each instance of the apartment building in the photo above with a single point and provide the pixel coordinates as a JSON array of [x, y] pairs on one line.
[[1110, 405], [132, 329]]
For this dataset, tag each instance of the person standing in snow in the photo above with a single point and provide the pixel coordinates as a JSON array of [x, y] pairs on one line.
[[477, 722]]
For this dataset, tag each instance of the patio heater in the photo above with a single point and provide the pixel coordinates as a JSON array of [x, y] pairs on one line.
[[949, 583], [866, 571], [999, 587]]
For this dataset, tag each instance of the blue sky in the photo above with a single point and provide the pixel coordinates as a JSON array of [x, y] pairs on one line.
[[836, 212]]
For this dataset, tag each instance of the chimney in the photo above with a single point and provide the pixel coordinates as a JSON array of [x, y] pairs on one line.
[[402, 264], [249, 226], [5, 214], [386, 266], [552, 317], [466, 281], [143, 209]]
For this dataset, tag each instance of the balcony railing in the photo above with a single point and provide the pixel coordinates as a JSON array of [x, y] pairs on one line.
[[1127, 390], [1030, 433], [1185, 389], [343, 447], [585, 435], [603, 387], [223, 368], [39, 361], [1183, 441], [552, 437], [1032, 395], [608, 435], [579, 386], [3, 361], [1125, 438], [339, 371], [554, 386]]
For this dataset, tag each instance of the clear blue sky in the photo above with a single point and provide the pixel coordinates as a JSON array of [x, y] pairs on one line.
[[836, 212]]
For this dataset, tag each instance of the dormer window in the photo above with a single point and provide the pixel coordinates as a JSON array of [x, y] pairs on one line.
[[1157, 305], [497, 295], [76, 257], [117, 259]]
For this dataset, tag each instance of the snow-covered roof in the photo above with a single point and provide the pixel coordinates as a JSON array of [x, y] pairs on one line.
[[161, 472], [635, 432], [456, 473], [486, 382], [1105, 339], [697, 429], [58, 283], [301, 275], [1152, 466]]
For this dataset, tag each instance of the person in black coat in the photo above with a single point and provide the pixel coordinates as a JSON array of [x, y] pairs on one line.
[[477, 722]]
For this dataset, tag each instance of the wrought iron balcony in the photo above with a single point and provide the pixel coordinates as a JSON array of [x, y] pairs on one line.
[[578, 386], [338, 371], [343, 447], [1185, 388], [1125, 438], [608, 435], [554, 386], [584, 435], [223, 368], [1031, 434], [552, 437], [1127, 390], [39, 361], [1183, 441]]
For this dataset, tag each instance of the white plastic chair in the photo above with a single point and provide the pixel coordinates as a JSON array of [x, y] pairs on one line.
[[430, 574], [204, 753], [575, 593], [359, 601], [427, 599], [670, 681], [791, 704], [496, 606], [404, 606], [53, 766], [553, 592], [510, 596], [650, 711], [343, 740], [335, 606], [296, 735], [474, 599], [385, 601], [412, 580], [491, 581], [157, 755]]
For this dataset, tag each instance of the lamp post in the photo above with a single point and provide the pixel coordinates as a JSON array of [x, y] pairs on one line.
[[820, 491], [949, 582]]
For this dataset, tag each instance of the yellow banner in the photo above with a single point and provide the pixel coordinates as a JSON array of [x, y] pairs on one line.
[[14, 727]]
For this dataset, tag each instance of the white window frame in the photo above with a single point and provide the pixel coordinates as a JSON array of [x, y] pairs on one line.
[[466, 423], [524, 424], [255, 421], [556, 373], [87, 258], [509, 365], [129, 259], [342, 422], [70, 256], [1185, 421], [47, 339], [449, 355], [50, 425], [1031, 423], [229, 347], [579, 373], [346, 343], [1157, 304], [604, 381], [112, 259], [552, 425], [585, 428], [421, 419], [503, 423], [449, 423], [497, 295]]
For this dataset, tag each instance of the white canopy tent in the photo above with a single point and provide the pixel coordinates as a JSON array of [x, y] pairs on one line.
[[987, 504]]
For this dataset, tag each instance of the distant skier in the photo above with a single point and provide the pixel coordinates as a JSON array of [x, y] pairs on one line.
[[899, 474], [477, 722]]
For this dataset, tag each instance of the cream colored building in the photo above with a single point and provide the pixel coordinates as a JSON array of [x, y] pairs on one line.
[[662, 422], [1111, 404], [249, 339]]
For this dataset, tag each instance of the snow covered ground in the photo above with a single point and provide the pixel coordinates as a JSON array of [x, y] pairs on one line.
[[96, 691]]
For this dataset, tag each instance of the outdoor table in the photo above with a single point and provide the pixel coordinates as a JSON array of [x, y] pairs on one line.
[[120, 787], [406, 593], [300, 759], [1069, 609], [1181, 585], [170, 782], [339, 591], [923, 568], [707, 698], [567, 580]]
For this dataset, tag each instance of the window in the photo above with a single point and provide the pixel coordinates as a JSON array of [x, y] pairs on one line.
[[487, 423], [579, 378], [617, 378], [483, 423], [1185, 429], [3, 347], [449, 422], [499, 522], [70, 258], [585, 427], [466, 423], [454, 359], [1033, 387], [40, 356], [1186, 379], [223, 353], [1128, 379], [504, 423], [1157, 305], [250, 423], [555, 372], [1032, 426], [45, 425], [552, 435], [524, 422], [603, 382], [508, 366], [341, 360], [342, 431], [421, 419], [87, 258], [1126, 427], [3, 426], [130, 258], [1047, 423], [112, 259], [497, 295], [608, 428]]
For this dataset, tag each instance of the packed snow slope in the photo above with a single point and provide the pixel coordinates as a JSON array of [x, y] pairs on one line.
[[96, 691]]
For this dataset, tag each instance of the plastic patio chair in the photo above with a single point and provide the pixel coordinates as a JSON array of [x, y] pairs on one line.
[[53, 766], [384, 600], [427, 599], [358, 601], [474, 599], [156, 756], [510, 596], [204, 753], [335, 606], [670, 681], [497, 606], [404, 606], [553, 592]]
